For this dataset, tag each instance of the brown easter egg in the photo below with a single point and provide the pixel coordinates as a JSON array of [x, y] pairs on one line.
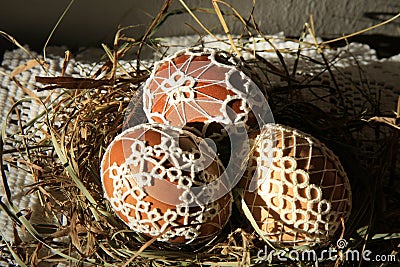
[[201, 86], [150, 174], [295, 187]]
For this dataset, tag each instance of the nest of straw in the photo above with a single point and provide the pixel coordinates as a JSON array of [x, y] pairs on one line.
[[63, 146]]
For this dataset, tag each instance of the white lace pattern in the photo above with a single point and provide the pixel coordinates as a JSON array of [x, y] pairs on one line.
[[200, 90], [297, 204], [153, 190]]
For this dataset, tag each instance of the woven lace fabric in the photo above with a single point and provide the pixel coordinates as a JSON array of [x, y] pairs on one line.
[[380, 77]]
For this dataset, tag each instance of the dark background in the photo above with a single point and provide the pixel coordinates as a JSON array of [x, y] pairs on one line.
[[88, 23]]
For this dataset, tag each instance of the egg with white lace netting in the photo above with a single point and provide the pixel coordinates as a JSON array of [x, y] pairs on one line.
[[295, 187], [201, 86], [150, 175]]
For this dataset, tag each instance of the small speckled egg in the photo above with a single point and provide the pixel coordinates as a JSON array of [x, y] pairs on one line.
[[155, 178], [295, 187]]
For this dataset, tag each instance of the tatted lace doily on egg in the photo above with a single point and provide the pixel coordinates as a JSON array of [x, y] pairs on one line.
[[173, 172], [302, 191], [182, 100]]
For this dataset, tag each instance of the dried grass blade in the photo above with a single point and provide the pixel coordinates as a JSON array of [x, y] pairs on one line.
[[67, 58], [386, 236], [15, 256], [2, 136], [150, 29], [297, 59], [253, 222], [9, 213], [109, 53], [15, 42], [385, 120], [14, 106], [2, 170], [144, 246], [25, 66], [109, 253], [199, 22], [25, 89], [69, 169], [70, 82], [362, 31], [56, 26], [225, 27], [73, 232], [29, 227]]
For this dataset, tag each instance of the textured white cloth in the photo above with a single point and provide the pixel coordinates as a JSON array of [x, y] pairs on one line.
[[380, 77]]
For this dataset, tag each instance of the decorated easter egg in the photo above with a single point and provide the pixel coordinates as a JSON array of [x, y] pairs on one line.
[[156, 179], [200, 87], [295, 187]]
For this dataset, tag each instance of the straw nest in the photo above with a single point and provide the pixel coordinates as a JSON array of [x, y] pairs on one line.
[[63, 146]]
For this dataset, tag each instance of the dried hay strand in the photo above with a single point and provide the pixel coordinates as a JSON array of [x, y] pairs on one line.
[[62, 148]]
